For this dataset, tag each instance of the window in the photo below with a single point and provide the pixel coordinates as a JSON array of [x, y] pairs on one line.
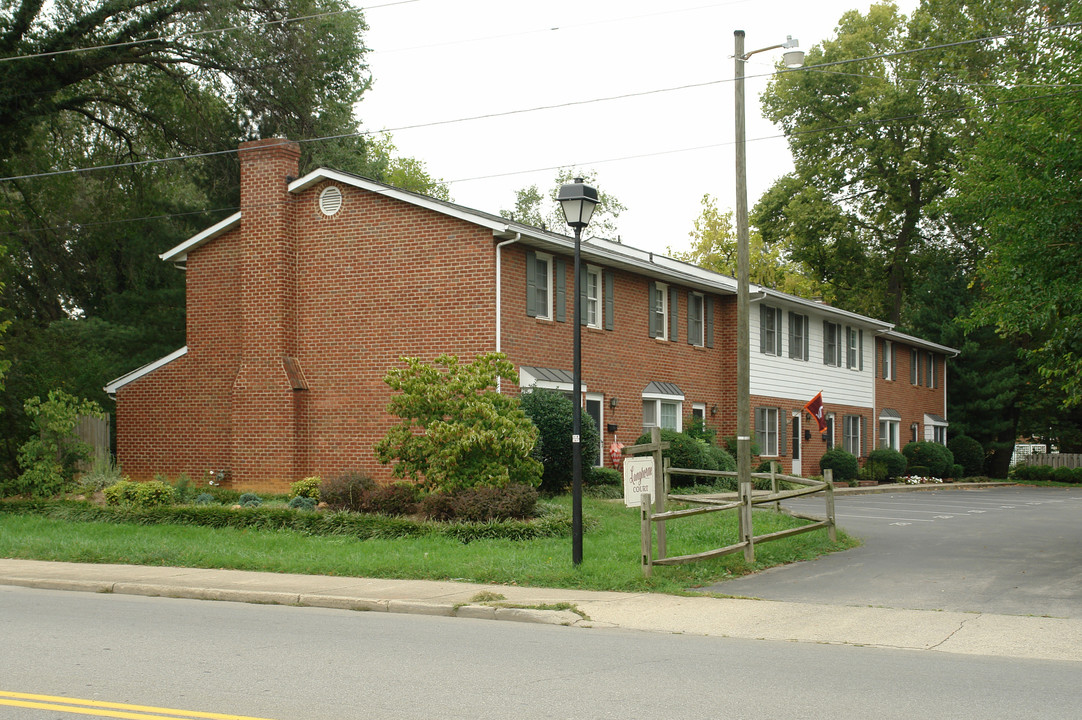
[[546, 286], [939, 434], [659, 310], [698, 413], [851, 434], [591, 307], [595, 403], [889, 428], [766, 431], [914, 367], [830, 431], [888, 360], [935, 428], [696, 318], [832, 344], [930, 377], [854, 348], [914, 432], [798, 336], [769, 330], [662, 406], [664, 414]]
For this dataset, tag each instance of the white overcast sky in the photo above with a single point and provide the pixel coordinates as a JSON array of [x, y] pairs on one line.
[[444, 60]]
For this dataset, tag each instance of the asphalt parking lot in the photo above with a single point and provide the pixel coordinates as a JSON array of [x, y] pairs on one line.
[[1004, 550]]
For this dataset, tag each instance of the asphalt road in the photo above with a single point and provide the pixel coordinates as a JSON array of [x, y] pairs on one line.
[[290, 663], [1008, 550]]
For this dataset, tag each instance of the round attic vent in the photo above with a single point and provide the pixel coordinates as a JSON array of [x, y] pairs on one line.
[[330, 200]]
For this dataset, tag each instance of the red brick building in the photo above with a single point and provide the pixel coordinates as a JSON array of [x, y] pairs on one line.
[[299, 304]]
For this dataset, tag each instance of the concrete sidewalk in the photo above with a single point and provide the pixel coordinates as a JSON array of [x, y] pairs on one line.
[[966, 633]]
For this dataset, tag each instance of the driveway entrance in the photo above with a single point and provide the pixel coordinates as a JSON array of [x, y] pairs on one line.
[[1005, 550]]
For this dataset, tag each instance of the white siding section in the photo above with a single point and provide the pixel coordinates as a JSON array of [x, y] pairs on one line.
[[800, 380]]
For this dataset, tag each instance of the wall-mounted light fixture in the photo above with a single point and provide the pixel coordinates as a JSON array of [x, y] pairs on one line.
[[714, 410], [612, 402]]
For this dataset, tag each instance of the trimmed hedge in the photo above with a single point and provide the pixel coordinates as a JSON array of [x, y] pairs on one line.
[[968, 453], [842, 462], [552, 521], [937, 458], [692, 453], [893, 461]]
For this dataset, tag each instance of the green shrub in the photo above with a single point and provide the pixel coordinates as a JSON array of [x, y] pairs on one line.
[[842, 462], [140, 495], [874, 471], [893, 462], [456, 429], [1063, 474], [205, 499], [306, 488], [604, 492], [553, 414], [249, 500], [603, 476], [345, 491], [968, 453], [698, 429], [301, 502], [724, 460], [684, 452], [103, 472], [183, 489], [918, 471], [48, 459], [957, 471], [730, 446], [937, 458]]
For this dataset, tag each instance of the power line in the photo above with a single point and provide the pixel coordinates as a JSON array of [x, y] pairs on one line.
[[197, 33]]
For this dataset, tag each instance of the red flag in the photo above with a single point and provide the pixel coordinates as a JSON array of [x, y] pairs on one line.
[[815, 407]]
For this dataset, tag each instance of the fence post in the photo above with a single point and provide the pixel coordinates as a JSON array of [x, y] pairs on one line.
[[660, 489], [774, 484], [746, 529], [832, 530], [647, 533]]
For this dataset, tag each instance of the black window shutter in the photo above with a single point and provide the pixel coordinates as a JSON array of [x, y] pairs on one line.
[[826, 343], [583, 315], [863, 435], [531, 283], [763, 347], [794, 347], [674, 303], [708, 320], [559, 277], [781, 432], [609, 282], [777, 331], [655, 329]]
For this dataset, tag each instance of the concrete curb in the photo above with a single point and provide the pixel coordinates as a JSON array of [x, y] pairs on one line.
[[332, 602]]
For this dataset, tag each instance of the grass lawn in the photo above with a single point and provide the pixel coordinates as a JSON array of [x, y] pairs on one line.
[[610, 550]]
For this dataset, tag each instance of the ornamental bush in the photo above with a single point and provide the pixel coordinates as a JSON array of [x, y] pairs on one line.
[[306, 488], [968, 453], [842, 462], [456, 430], [937, 458], [893, 462], [345, 491], [553, 413], [685, 451], [140, 495], [49, 458]]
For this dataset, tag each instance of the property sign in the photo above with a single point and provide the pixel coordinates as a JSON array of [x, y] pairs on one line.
[[638, 479]]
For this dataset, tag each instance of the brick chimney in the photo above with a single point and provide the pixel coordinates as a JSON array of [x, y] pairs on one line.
[[264, 410]]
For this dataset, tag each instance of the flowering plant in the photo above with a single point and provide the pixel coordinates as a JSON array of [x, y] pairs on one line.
[[215, 478], [918, 480]]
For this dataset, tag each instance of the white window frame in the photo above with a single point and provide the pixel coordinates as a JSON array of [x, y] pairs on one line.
[[546, 259], [930, 376], [595, 301], [835, 357], [798, 338], [852, 348], [914, 367], [768, 436], [697, 334], [935, 430], [890, 433], [770, 343], [888, 360], [653, 406], [661, 291], [600, 400], [698, 410], [831, 433]]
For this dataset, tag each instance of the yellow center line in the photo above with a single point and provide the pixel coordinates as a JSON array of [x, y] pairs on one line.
[[106, 709]]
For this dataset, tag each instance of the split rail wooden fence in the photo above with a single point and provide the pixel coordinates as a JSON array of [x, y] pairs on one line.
[[654, 514]]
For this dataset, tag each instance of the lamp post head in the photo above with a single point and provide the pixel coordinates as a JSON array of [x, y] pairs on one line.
[[578, 201]]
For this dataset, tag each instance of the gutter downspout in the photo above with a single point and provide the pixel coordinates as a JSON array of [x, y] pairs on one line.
[[499, 299]]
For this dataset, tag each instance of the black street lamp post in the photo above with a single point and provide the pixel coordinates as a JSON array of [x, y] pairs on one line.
[[578, 201]]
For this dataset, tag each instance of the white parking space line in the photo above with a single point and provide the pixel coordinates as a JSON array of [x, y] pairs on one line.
[[878, 517]]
